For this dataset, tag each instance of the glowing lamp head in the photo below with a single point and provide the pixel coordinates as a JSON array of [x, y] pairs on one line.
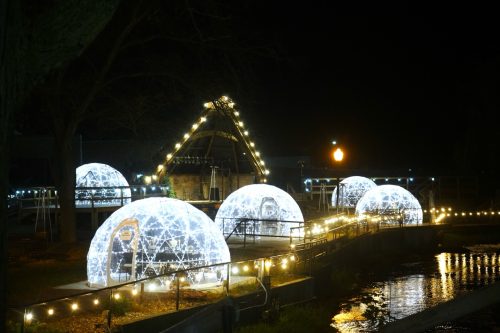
[[338, 155]]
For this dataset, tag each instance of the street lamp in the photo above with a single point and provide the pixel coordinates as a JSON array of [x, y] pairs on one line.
[[338, 156]]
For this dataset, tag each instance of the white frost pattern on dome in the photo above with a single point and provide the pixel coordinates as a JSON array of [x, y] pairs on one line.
[[100, 175], [351, 190], [266, 207], [154, 236], [390, 200]]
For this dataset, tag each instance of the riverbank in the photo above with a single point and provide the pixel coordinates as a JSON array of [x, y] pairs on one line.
[[333, 285], [365, 292]]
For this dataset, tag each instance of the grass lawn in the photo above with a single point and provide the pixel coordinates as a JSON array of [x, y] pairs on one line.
[[33, 271]]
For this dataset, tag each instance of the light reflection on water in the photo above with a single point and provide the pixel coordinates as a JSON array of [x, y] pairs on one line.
[[420, 285]]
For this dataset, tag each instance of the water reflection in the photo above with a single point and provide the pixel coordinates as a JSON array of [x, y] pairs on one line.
[[420, 285]]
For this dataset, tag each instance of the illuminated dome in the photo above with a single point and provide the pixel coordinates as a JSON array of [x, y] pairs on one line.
[[152, 236], [351, 190], [391, 200], [265, 207], [100, 175]]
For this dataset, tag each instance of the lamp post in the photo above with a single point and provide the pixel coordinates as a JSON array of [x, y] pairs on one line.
[[338, 156]]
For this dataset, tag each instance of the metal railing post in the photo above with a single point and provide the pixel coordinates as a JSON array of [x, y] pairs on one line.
[[110, 308], [245, 233], [227, 278], [178, 293], [253, 231], [23, 322]]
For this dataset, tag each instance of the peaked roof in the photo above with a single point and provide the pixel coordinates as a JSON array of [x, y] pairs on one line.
[[217, 139]]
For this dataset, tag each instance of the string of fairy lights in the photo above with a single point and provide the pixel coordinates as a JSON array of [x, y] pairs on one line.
[[49, 309], [446, 212], [92, 302], [226, 103]]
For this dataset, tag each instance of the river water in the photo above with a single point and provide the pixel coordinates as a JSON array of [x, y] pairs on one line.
[[415, 286]]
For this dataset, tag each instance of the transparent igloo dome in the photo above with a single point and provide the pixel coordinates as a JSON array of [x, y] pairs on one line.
[[351, 190], [100, 185], [259, 209], [153, 236], [393, 202]]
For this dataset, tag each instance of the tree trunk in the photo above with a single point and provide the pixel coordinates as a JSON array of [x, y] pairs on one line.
[[11, 85], [65, 180], [4, 185]]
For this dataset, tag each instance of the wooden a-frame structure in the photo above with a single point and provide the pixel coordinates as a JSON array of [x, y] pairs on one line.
[[215, 156]]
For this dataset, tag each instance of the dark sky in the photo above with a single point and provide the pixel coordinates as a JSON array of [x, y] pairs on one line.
[[399, 86]]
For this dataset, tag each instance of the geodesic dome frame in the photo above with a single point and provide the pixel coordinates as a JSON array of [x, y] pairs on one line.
[[391, 201], [100, 185], [351, 190], [259, 209], [154, 236]]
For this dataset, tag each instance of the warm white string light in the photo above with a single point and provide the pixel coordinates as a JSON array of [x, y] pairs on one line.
[[238, 123]]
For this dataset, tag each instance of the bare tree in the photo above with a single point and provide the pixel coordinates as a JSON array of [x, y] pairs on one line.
[[173, 47], [35, 40]]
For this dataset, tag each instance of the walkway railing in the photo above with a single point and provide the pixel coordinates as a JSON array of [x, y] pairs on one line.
[[172, 291], [86, 197], [241, 229], [101, 309]]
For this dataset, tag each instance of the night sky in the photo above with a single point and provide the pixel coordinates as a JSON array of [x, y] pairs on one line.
[[398, 86]]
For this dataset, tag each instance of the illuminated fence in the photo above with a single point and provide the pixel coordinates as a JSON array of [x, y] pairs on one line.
[[118, 305], [172, 291], [341, 226], [86, 197], [250, 230], [445, 214], [244, 229]]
